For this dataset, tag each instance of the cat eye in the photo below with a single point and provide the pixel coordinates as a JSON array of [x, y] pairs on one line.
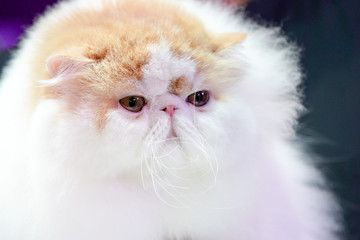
[[199, 98], [133, 103]]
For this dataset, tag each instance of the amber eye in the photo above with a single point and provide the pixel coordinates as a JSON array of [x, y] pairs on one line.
[[199, 98], [133, 103]]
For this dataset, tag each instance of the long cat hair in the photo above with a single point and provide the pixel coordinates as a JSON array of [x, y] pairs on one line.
[[156, 119]]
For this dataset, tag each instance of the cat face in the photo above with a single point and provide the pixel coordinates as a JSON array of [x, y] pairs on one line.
[[156, 104], [142, 90], [170, 109]]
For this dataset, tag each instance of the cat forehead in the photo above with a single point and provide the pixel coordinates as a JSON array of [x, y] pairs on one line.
[[167, 71], [158, 62], [156, 67]]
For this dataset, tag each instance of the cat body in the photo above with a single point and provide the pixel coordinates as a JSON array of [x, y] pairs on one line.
[[155, 120]]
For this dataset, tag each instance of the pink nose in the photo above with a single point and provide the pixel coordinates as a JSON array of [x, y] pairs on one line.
[[169, 110]]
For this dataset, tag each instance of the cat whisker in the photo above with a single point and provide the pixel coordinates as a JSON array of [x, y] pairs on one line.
[[158, 181], [161, 169], [143, 159], [165, 170], [202, 144], [163, 200]]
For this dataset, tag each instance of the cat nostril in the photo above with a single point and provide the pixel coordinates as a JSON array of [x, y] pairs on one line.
[[169, 110]]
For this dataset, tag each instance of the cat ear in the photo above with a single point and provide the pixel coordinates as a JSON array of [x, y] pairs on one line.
[[62, 68], [227, 40], [57, 65]]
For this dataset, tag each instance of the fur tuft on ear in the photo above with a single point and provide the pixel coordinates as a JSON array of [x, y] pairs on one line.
[[227, 40]]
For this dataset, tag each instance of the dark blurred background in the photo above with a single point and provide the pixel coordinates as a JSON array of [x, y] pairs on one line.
[[328, 31]]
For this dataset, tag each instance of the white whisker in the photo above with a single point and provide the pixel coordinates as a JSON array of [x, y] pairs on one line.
[[181, 167]]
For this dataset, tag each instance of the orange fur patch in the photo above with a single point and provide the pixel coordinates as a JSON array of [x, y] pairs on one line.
[[179, 85], [95, 53], [101, 114]]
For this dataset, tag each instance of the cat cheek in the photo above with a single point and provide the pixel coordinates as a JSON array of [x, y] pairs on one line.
[[122, 137]]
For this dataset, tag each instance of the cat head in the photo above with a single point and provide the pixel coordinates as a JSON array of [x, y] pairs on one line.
[[150, 93]]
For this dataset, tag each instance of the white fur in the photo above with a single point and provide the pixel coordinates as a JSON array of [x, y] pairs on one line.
[[231, 172], [163, 67]]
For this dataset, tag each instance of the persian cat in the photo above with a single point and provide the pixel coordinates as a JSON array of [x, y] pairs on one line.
[[156, 119]]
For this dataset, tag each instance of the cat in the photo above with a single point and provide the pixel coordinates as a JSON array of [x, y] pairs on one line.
[[156, 119]]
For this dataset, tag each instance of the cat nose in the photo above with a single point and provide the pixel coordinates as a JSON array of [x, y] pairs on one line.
[[169, 109]]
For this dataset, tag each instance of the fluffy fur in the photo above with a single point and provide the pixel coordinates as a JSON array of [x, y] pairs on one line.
[[75, 164]]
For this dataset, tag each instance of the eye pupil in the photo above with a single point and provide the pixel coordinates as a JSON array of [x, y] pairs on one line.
[[133, 103], [199, 98]]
